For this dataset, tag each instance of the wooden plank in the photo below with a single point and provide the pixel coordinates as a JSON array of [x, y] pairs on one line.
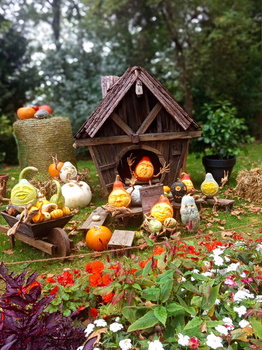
[[149, 196], [151, 116], [90, 222], [120, 122], [107, 82], [121, 238], [4, 229], [142, 138], [36, 243]]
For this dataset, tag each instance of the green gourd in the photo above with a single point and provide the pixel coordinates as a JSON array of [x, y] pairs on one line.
[[58, 197], [24, 193]]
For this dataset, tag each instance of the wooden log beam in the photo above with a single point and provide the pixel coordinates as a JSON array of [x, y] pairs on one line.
[[142, 138]]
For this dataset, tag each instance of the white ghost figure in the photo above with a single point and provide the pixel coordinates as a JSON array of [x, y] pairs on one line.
[[189, 213]]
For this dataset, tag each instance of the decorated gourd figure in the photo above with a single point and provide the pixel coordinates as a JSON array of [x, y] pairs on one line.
[[24, 193], [162, 209], [189, 213], [119, 197], [187, 181], [68, 172], [144, 170], [209, 186], [178, 190]]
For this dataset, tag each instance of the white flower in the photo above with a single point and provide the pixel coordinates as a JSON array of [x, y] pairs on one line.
[[232, 267], [222, 329], [207, 274], [115, 327], [96, 349], [259, 298], [218, 260], [244, 323], [155, 345], [259, 247], [100, 323], [214, 342], [241, 310], [89, 329], [125, 344], [80, 348], [117, 319], [243, 294], [228, 323], [183, 339], [217, 251], [217, 301]]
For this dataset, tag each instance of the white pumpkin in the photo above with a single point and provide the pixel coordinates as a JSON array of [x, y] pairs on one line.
[[68, 172], [77, 194], [135, 195]]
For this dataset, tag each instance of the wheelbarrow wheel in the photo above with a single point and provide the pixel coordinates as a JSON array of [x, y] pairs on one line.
[[58, 237]]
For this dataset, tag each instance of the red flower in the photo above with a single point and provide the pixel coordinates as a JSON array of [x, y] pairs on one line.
[[194, 343], [158, 250], [106, 279], [95, 280], [94, 312], [108, 297], [66, 279], [50, 280], [54, 290], [95, 267]]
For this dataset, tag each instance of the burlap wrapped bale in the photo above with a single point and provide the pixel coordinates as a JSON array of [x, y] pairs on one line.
[[40, 139], [249, 185]]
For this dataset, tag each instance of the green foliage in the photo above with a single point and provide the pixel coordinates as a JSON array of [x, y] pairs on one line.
[[223, 133]]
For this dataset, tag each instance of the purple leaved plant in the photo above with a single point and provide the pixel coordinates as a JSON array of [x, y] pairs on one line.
[[24, 323]]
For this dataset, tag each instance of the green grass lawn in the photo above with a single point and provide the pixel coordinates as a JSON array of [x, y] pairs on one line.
[[241, 220]]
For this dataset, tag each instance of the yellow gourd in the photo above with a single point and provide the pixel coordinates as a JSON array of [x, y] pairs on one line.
[[56, 214], [66, 210], [39, 217]]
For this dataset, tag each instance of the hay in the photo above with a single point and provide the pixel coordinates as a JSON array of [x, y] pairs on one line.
[[40, 139], [249, 185]]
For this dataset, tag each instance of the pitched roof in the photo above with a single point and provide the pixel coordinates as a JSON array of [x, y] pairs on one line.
[[120, 88]]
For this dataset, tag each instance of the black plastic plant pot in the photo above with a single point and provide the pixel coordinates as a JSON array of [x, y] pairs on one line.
[[217, 167]]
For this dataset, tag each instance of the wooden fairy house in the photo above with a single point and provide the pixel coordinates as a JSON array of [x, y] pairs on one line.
[[137, 118]]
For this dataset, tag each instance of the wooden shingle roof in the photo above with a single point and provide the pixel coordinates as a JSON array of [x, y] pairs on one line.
[[117, 92]]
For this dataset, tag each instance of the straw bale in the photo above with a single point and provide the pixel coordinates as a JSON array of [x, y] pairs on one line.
[[249, 185], [40, 139]]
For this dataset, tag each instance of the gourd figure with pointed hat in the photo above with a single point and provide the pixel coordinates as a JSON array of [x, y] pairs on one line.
[[209, 186]]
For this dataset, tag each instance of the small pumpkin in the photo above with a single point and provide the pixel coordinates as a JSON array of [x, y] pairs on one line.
[[25, 112], [170, 223], [162, 209], [76, 194], [178, 190], [24, 193], [119, 196], [144, 170], [154, 225], [56, 214], [55, 168], [38, 217], [68, 172], [97, 237], [66, 210], [187, 181]]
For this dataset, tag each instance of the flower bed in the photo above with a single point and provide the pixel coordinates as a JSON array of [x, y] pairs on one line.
[[183, 296]]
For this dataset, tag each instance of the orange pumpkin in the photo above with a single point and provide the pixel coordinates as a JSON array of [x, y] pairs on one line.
[[144, 169], [162, 209], [97, 237], [54, 168], [25, 112], [119, 196]]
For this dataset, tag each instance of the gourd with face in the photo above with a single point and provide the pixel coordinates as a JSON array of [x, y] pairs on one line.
[[24, 193], [209, 186], [189, 213], [144, 170], [119, 197], [68, 172], [162, 209], [187, 181], [178, 190]]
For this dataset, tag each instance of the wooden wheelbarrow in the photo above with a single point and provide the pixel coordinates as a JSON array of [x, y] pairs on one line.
[[47, 236]]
